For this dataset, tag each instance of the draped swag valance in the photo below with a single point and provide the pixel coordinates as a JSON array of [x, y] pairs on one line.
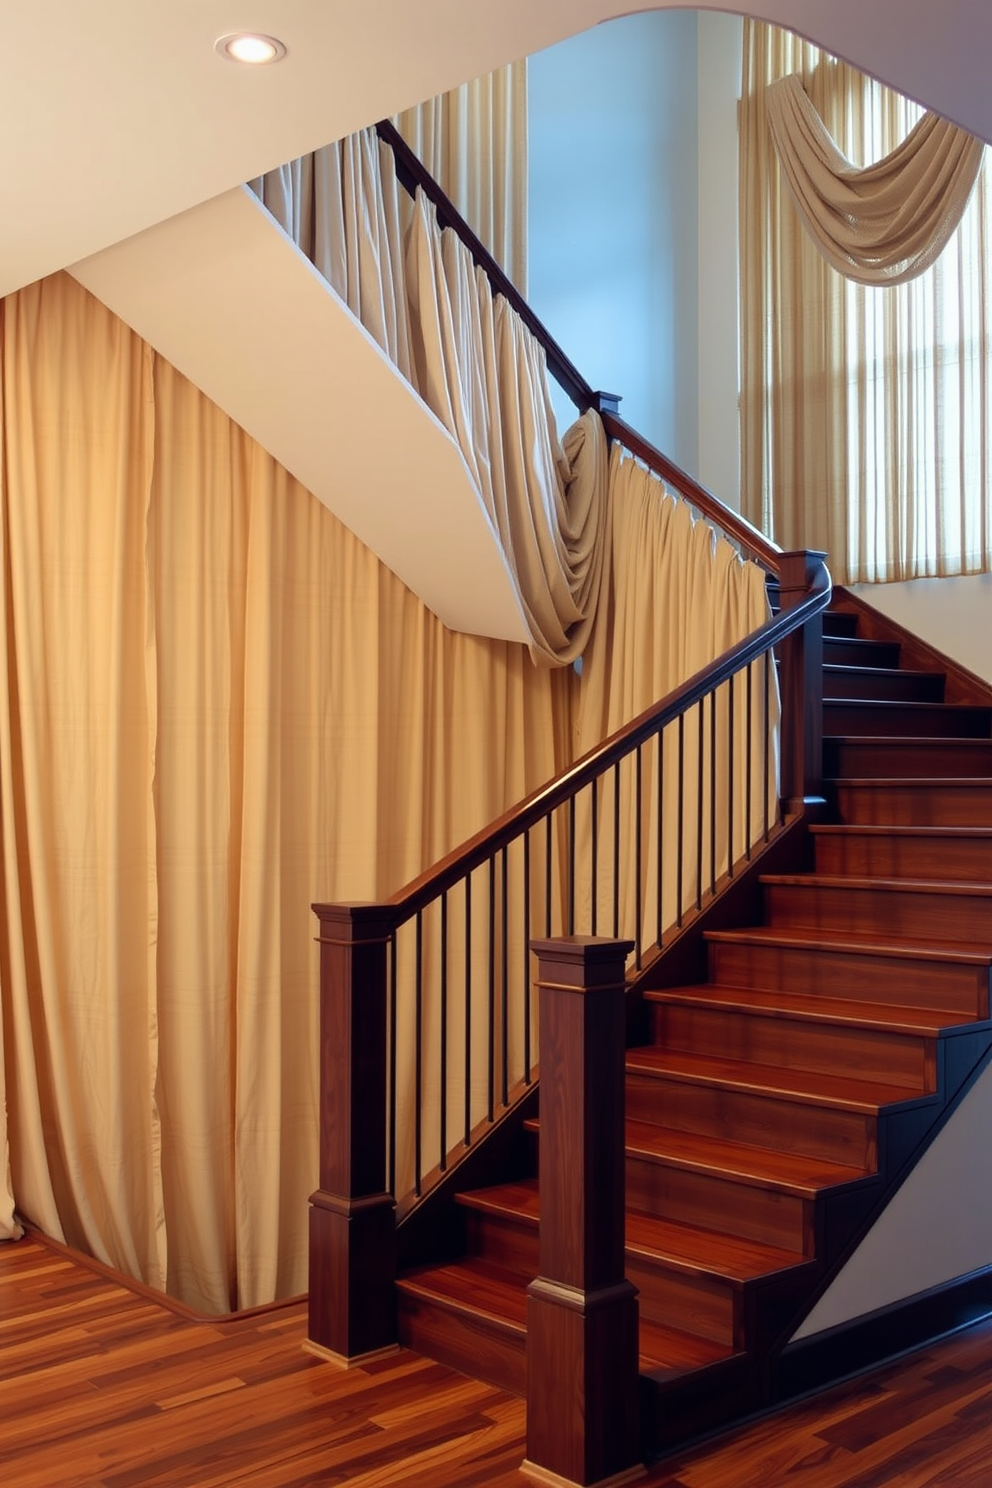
[[884, 223]]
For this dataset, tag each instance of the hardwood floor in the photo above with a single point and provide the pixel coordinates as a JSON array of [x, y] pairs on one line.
[[101, 1386]]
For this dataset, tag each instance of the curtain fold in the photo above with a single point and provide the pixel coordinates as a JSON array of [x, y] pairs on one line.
[[216, 707], [866, 411], [473, 141], [883, 223]]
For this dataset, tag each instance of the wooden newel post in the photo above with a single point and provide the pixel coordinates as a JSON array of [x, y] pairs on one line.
[[801, 677], [582, 1373], [352, 1217]]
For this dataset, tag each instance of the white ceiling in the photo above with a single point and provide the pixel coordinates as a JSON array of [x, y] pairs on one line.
[[118, 114]]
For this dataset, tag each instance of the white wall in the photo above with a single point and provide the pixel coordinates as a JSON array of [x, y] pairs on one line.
[[938, 1226], [613, 215], [955, 615]]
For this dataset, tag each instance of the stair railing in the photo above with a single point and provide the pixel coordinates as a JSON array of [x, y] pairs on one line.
[[428, 1020]]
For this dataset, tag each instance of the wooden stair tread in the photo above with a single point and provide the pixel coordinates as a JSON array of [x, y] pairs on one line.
[[473, 1287], [804, 1086], [916, 782], [870, 829], [760, 1167], [682, 1246], [499, 1297], [665, 1352], [880, 672], [842, 940], [946, 886], [885, 1017]]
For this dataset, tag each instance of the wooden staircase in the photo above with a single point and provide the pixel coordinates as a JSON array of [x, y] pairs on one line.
[[781, 1097]]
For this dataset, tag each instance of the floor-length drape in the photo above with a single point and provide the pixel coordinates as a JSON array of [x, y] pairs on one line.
[[866, 412], [216, 707], [677, 596]]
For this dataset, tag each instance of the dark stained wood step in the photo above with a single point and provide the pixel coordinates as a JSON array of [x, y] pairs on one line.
[[837, 965], [667, 1353], [962, 854], [866, 757], [776, 1003], [794, 1087], [471, 1316], [954, 801], [916, 910], [888, 684], [853, 651], [797, 1032], [930, 720], [784, 1172], [840, 623], [688, 1277]]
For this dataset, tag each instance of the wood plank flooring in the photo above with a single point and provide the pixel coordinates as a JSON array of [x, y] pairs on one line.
[[101, 1386]]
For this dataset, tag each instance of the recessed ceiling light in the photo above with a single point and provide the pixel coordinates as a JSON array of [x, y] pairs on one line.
[[250, 47]]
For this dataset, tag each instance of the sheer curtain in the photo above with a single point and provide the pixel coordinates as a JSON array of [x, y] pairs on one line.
[[866, 412], [216, 707]]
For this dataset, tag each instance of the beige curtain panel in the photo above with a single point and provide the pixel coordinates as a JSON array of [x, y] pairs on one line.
[[483, 373], [878, 224], [866, 410], [216, 707], [677, 595], [475, 364], [473, 141]]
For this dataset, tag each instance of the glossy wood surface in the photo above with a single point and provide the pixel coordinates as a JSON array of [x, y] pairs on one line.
[[101, 1387]]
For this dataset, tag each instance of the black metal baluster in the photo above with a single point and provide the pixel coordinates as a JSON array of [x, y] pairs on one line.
[[701, 730], [468, 1010], [712, 793], [616, 850], [638, 780], [660, 824], [681, 823], [526, 954], [392, 1063], [505, 978], [491, 1029], [419, 1056], [594, 875], [767, 750], [444, 1031], [748, 757], [730, 777]]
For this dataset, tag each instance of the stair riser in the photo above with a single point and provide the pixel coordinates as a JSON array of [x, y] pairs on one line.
[[930, 720], [864, 682], [936, 805], [471, 1345], [839, 623], [959, 918], [961, 859], [847, 1137], [503, 1240], [703, 1305], [714, 1202], [896, 1059], [699, 1304], [866, 759], [883, 980], [848, 651]]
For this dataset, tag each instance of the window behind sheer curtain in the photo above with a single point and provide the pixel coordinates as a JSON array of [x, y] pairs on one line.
[[866, 413]]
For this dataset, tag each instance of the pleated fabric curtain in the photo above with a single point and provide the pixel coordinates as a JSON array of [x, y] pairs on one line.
[[473, 361], [866, 411], [216, 707], [677, 595], [473, 141]]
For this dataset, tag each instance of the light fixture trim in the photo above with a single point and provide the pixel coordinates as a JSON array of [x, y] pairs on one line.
[[250, 48]]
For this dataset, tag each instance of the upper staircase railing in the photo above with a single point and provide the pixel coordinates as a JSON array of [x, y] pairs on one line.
[[428, 1024]]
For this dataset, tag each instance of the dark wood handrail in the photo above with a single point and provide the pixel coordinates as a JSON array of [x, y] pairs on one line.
[[478, 849], [760, 548], [411, 174]]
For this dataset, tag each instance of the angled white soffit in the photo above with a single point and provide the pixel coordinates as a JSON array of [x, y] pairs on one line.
[[117, 114], [225, 296]]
